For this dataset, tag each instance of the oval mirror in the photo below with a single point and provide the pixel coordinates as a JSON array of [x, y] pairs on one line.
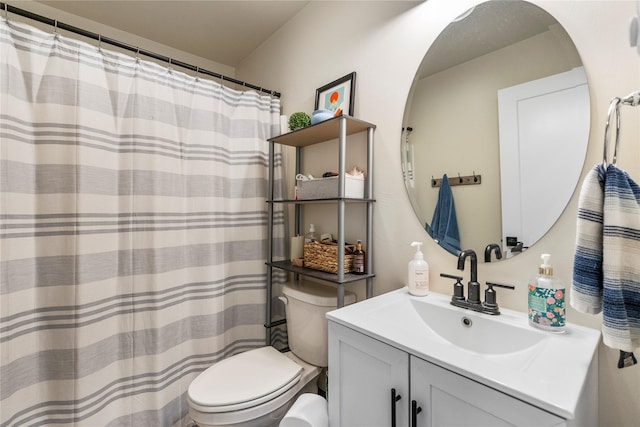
[[495, 129]]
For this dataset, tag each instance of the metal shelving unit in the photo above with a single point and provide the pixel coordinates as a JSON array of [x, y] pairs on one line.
[[335, 128]]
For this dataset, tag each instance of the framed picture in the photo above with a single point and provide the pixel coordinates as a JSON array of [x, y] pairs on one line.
[[337, 96]]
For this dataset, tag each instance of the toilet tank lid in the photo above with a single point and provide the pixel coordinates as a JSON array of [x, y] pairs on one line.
[[244, 378], [316, 294]]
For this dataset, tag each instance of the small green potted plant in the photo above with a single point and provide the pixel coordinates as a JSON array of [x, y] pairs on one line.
[[299, 120]]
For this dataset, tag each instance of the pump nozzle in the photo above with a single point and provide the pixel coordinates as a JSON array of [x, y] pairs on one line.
[[418, 254], [545, 268]]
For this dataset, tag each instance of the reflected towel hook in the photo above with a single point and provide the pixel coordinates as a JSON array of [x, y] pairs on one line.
[[459, 180]]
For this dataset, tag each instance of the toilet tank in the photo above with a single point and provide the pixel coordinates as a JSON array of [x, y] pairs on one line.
[[306, 304]]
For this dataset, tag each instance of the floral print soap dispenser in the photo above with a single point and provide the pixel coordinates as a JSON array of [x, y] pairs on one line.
[[546, 299]]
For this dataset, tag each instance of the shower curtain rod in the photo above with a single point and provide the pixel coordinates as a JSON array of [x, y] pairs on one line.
[[6, 8]]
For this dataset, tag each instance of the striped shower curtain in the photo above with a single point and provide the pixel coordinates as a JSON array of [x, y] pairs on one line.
[[133, 238]]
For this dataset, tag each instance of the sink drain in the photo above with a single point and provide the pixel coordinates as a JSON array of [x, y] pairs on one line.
[[466, 322]]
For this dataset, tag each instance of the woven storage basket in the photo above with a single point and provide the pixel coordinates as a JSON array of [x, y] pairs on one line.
[[324, 257]]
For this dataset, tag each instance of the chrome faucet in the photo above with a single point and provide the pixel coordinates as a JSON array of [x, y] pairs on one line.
[[490, 248], [473, 285]]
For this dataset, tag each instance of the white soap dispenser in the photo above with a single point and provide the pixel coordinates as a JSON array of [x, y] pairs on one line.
[[418, 273]]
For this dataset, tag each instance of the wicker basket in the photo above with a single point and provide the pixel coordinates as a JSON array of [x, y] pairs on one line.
[[324, 257]]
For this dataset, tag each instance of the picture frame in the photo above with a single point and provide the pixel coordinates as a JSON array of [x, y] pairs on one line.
[[337, 96]]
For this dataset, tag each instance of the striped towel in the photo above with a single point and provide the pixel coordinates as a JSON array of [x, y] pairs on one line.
[[606, 274], [621, 261], [586, 289]]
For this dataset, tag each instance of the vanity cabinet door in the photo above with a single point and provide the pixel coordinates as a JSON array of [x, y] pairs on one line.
[[364, 373], [449, 399]]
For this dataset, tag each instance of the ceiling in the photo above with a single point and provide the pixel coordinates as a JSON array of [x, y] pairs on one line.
[[221, 31], [483, 29], [228, 31]]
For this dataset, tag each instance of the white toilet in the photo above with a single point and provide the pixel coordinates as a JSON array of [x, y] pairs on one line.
[[257, 387]]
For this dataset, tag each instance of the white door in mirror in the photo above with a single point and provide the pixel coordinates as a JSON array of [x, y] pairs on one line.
[[542, 128]]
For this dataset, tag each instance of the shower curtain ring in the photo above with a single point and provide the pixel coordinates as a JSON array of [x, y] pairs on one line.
[[55, 30], [6, 11], [197, 73], [99, 42]]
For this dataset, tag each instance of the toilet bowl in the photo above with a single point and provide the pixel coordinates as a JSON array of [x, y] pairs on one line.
[[256, 388], [251, 389]]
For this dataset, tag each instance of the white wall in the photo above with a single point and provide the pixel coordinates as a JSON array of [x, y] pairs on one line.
[[384, 43]]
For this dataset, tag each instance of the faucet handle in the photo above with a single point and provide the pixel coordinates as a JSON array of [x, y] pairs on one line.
[[490, 298], [458, 287]]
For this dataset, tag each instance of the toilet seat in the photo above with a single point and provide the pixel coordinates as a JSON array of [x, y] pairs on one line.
[[243, 381]]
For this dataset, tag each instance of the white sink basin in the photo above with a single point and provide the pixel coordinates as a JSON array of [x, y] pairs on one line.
[[476, 332], [545, 369]]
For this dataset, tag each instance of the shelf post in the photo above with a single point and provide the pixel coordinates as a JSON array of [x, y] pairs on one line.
[[369, 194], [342, 154], [297, 210], [270, 194]]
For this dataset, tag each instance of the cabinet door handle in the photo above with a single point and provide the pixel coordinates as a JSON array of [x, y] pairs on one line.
[[415, 410], [394, 398]]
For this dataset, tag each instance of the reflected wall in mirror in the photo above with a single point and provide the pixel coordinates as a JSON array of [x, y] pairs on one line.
[[501, 94]]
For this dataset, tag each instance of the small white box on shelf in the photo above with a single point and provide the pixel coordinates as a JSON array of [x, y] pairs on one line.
[[326, 188]]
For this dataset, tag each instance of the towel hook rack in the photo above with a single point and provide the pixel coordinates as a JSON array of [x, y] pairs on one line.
[[458, 180]]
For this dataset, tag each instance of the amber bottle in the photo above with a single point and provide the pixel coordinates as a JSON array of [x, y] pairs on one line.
[[359, 259]]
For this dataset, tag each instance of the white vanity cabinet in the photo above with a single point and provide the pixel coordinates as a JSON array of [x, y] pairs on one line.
[[364, 377], [365, 374], [448, 399]]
